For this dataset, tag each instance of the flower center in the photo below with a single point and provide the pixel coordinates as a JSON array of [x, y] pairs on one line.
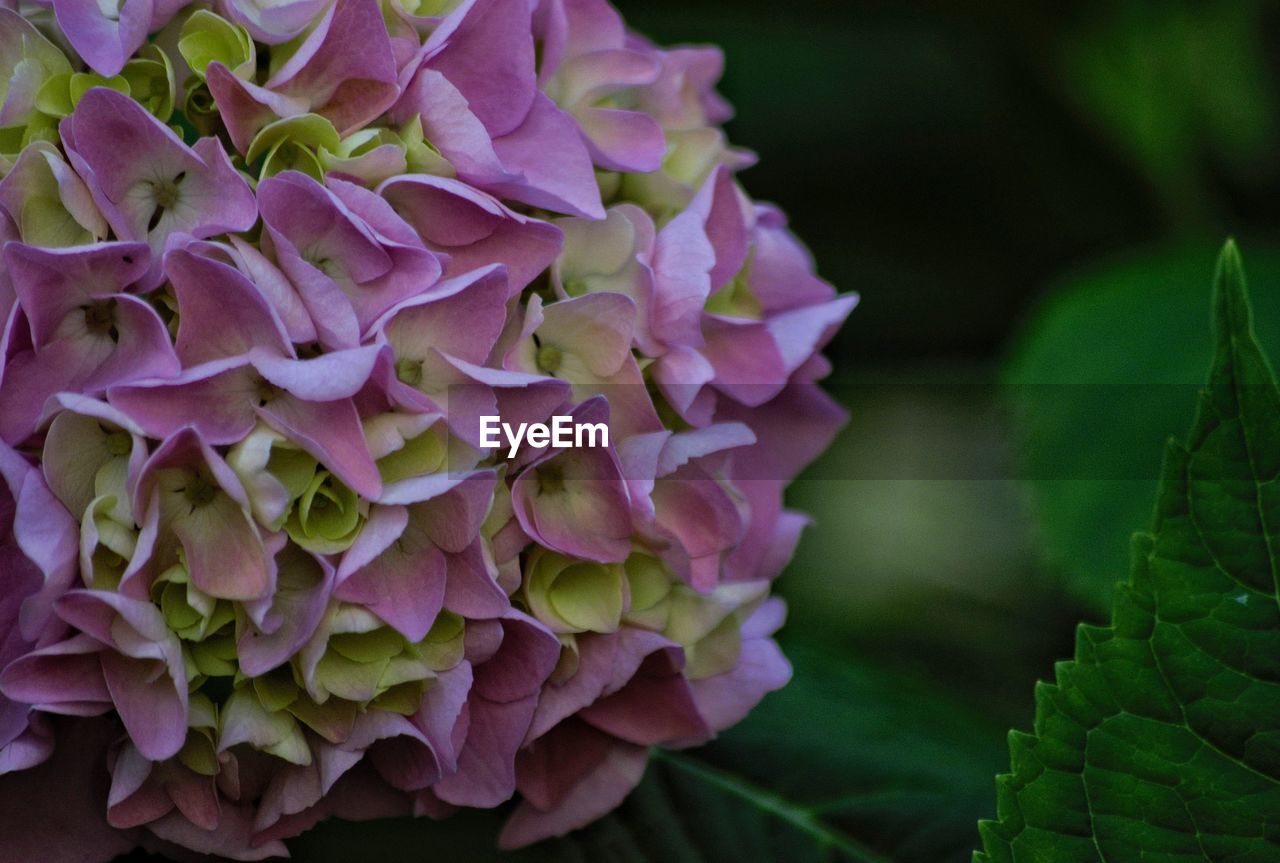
[[409, 371], [199, 492], [166, 192], [549, 358], [118, 443], [100, 319], [267, 392], [550, 478]]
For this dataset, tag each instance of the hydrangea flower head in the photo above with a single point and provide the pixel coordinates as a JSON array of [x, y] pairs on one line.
[[266, 271]]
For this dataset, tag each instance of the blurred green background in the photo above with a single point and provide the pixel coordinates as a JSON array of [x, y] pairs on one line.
[[1029, 197]]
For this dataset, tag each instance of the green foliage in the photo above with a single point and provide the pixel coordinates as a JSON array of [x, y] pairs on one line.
[[846, 763], [1174, 81], [1161, 739], [1106, 372]]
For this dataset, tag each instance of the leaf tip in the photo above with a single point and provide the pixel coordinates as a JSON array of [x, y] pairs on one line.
[[1232, 312]]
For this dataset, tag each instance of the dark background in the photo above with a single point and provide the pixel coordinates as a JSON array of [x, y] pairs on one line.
[[960, 166], [1026, 195]]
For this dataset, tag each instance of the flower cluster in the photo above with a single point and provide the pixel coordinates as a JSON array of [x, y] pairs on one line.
[[265, 268]]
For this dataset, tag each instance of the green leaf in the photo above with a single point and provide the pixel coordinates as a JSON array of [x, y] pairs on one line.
[[1105, 373], [845, 764], [1161, 739]]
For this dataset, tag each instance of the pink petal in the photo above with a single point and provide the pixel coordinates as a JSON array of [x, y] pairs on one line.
[[601, 791], [473, 228], [548, 152], [104, 42], [489, 57], [221, 313], [404, 585], [332, 433], [621, 140]]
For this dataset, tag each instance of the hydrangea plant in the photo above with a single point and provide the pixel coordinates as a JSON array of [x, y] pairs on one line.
[[265, 268]]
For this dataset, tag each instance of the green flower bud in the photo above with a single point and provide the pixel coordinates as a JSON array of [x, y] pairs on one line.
[[373, 154], [367, 662], [735, 299], [199, 108], [215, 656], [275, 473], [442, 648], [27, 61], [333, 719], [649, 583], [106, 545], [194, 615], [151, 81], [610, 183], [708, 626], [60, 94], [244, 719], [293, 144], [276, 689], [692, 154], [206, 38], [421, 156], [200, 752], [422, 8], [568, 661], [407, 445], [570, 595], [326, 517]]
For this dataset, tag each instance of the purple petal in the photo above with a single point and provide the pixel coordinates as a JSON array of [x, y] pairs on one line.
[[473, 228], [223, 547], [328, 377], [221, 313], [303, 585], [725, 220], [216, 398], [489, 57], [462, 317], [274, 23], [655, 707], [146, 181], [51, 283], [621, 140], [105, 42], [501, 706], [404, 585], [555, 167], [600, 792], [332, 433], [595, 327], [245, 107], [472, 589], [725, 699], [45, 533], [683, 260], [576, 502], [64, 677], [344, 68], [282, 295]]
